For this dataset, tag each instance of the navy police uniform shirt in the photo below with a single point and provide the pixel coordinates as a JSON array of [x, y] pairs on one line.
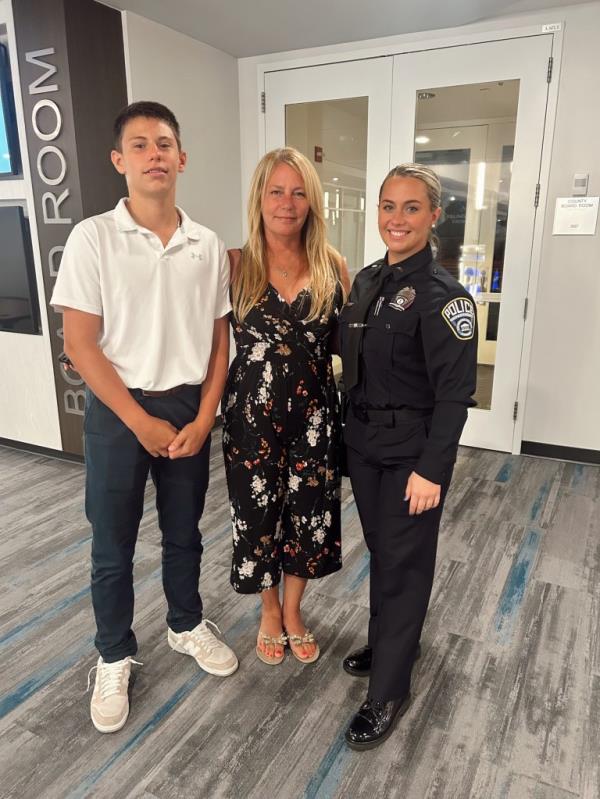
[[409, 341]]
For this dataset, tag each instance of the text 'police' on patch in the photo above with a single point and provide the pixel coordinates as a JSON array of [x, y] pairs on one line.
[[459, 314]]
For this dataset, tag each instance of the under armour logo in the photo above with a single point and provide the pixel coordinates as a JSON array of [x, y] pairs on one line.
[[198, 256]]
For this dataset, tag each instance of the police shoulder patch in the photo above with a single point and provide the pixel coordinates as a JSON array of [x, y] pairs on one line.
[[459, 315]]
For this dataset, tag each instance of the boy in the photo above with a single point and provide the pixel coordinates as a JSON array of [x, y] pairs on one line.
[[145, 295]]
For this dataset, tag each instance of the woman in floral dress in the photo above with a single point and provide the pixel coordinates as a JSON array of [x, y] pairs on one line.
[[281, 418]]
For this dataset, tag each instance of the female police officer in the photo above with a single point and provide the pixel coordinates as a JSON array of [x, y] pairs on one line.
[[409, 349]]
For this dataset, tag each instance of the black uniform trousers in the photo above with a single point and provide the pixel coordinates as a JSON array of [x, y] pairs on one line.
[[117, 468], [402, 547]]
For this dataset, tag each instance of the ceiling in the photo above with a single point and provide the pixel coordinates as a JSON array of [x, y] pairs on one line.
[[255, 27], [473, 101]]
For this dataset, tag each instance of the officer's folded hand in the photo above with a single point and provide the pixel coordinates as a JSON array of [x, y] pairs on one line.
[[421, 493]]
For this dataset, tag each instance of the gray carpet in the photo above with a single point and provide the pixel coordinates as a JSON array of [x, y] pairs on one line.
[[506, 696]]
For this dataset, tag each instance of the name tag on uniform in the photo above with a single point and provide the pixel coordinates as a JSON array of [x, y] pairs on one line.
[[459, 315]]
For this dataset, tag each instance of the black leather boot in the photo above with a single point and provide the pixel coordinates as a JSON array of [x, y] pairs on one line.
[[359, 663], [374, 722]]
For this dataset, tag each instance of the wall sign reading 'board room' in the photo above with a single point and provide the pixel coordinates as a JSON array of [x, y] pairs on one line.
[[71, 94]]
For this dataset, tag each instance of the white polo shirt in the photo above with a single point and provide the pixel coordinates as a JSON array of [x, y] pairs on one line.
[[158, 304]]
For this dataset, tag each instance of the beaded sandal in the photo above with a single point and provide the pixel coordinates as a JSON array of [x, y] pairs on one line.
[[298, 640], [271, 640]]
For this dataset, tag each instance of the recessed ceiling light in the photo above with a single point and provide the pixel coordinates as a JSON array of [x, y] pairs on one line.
[[335, 180], [422, 139]]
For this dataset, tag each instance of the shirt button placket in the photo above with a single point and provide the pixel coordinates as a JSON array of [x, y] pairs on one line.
[[390, 369]]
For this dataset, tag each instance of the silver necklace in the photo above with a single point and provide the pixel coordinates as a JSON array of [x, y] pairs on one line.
[[286, 274]]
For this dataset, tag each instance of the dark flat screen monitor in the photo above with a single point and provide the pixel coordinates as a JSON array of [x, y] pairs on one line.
[[10, 160], [19, 306]]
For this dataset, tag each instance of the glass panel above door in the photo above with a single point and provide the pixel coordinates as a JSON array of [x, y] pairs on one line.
[[466, 133], [332, 134]]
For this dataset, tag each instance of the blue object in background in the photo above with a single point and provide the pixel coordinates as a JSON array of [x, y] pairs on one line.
[[10, 162], [5, 162]]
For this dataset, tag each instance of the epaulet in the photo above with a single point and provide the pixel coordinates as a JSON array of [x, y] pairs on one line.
[[445, 278]]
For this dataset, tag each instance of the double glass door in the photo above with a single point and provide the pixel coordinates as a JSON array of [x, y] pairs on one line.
[[475, 114]]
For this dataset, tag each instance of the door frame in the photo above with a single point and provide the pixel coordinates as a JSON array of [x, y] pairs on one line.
[[252, 97]]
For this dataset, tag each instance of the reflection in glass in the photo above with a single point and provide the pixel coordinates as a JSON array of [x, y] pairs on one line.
[[466, 134], [19, 305], [453, 168], [332, 134]]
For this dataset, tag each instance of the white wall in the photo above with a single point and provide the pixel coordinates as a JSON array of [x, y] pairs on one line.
[[563, 401], [200, 85], [562, 405], [28, 411]]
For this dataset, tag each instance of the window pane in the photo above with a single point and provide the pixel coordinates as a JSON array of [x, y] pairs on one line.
[[332, 134], [19, 307], [466, 134]]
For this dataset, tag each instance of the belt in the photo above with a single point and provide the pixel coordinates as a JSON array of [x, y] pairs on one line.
[[166, 393], [389, 417]]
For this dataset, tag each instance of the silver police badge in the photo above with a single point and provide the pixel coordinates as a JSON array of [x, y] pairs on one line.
[[403, 299], [459, 315]]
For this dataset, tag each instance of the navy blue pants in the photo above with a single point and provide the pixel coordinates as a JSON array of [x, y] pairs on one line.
[[117, 471]]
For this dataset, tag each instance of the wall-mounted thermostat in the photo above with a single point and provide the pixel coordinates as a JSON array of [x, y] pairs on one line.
[[580, 184]]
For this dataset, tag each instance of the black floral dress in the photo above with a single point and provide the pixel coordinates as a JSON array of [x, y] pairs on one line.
[[280, 436]]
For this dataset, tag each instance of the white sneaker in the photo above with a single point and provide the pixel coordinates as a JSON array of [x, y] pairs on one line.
[[109, 707], [211, 654]]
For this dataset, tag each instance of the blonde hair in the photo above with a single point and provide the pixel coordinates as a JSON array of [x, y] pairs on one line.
[[324, 262], [432, 186]]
